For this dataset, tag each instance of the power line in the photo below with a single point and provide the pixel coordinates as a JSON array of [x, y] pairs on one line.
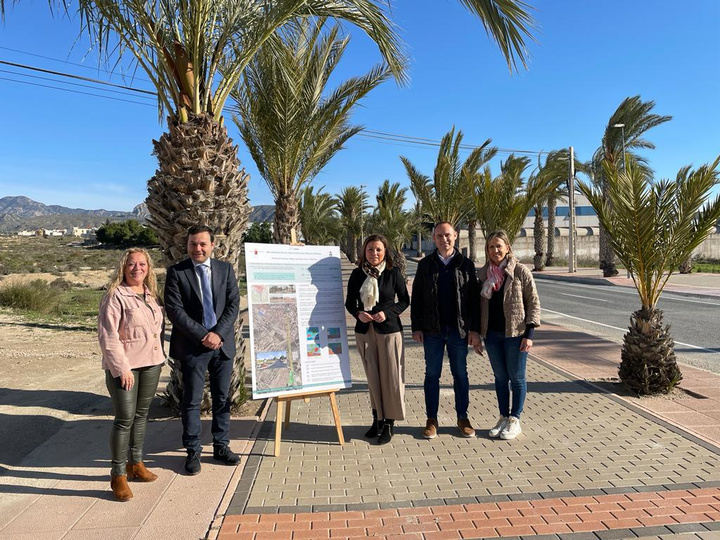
[[78, 77], [121, 92], [75, 91], [111, 73], [400, 140]]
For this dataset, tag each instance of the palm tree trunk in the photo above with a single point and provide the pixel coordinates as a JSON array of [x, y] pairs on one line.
[[286, 218], [539, 240], [686, 266], [648, 364], [552, 205], [199, 182], [352, 247], [472, 240], [607, 255]]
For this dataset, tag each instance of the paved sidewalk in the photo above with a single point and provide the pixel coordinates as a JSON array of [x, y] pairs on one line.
[[589, 464]]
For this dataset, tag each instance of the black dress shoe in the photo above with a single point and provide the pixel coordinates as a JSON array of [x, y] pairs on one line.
[[225, 455], [386, 434], [373, 432], [192, 463]]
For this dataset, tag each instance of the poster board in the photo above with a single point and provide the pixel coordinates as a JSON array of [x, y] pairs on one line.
[[298, 335]]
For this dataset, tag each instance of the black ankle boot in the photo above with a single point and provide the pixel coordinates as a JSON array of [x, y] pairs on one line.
[[374, 430], [386, 433]]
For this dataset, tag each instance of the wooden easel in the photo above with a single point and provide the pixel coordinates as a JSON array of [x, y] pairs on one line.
[[281, 400]]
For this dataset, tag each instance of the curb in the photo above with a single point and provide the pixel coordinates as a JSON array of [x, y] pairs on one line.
[[576, 279]]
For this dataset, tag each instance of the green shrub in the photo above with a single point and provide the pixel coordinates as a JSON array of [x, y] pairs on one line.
[[36, 295], [126, 233]]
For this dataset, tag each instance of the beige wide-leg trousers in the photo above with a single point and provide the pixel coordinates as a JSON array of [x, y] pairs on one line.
[[383, 358]]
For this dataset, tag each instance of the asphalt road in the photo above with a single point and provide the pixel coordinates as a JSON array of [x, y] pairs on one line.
[[605, 311]]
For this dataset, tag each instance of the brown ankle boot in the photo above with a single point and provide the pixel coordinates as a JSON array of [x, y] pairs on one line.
[[140, 472], [120, 488]]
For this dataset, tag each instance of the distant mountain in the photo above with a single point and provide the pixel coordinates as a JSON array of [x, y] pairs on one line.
[[21, 213], [23, 207]]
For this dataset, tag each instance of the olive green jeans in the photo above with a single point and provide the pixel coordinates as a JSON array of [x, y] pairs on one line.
[[131, 411]]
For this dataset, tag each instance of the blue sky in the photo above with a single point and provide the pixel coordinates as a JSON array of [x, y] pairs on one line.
[[78, 150]]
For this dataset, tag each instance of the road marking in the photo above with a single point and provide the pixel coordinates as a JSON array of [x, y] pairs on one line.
[[667, 295], [584, 320], [625, 330], [587, 297]]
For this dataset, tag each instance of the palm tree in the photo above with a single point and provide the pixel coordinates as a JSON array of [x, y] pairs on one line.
[[194, 53], [554, 174], [352, 204], [445, 197], [635, 117], [291, 122], [503, 202], [390, 220], [653, 226], [420, 186], [319, 221]]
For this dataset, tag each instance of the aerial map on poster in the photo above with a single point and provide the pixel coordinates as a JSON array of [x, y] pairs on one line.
[[298, 337]]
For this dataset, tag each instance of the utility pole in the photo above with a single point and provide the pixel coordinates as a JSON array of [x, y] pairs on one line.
[[572, 248]]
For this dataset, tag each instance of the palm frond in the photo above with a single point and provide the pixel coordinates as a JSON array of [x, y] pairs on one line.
[[654, 226]]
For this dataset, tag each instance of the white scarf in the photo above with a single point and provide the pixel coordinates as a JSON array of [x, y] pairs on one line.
[[369, 291], [495, 278]]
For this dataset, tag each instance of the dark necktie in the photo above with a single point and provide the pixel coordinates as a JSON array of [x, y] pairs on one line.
[[209, 319]]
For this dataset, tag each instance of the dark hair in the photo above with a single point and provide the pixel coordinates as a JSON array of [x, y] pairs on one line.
[[377, 238], [197, 229], [442, 223]]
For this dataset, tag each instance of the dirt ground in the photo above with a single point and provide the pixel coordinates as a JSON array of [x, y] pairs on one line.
[[51, 374]]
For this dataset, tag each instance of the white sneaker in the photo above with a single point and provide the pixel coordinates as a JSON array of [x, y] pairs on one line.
[[512, 429], [494, 432]]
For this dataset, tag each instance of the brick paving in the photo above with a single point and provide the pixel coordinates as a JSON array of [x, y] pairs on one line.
[[587, 466]]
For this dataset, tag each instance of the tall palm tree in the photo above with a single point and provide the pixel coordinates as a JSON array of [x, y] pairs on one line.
[[390, 220], [319, 220], [554, 173], [636, 119], [352, 204], [291, 122], [653, 226], [503, 202], [472, 218], [420, 188], [445, 197], [194, 52]]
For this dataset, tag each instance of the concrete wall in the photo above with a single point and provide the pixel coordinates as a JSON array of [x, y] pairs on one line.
[[587, 244]]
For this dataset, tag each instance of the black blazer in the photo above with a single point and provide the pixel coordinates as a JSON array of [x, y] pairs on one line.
[[391, 285], [183, 306]]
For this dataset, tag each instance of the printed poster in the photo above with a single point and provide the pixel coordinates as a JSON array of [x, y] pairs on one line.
[[298, 336]]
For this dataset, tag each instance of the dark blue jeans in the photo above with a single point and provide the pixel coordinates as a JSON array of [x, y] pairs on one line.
[[508, 364], [220, 369], [457, 348]]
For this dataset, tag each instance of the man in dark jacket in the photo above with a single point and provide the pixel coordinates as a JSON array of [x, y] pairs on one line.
[[202, 302], [444, 314]]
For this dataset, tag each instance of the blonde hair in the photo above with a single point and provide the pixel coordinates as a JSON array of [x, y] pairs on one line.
[[150, 281], [502, 235]]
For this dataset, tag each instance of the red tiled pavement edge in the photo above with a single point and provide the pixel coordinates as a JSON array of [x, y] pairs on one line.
[[487, 520]]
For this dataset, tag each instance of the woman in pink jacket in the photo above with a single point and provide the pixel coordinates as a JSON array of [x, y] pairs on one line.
[[130, 331]]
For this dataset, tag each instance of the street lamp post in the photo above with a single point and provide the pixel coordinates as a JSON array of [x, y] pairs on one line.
[[624, 160]]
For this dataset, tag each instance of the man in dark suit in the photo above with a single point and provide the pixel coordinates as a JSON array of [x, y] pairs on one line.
[[202, 302]]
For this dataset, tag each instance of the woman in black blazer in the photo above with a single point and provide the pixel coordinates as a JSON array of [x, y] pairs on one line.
[[376, 296]]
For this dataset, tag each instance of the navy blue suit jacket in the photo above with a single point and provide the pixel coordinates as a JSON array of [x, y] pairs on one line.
[[183, 306]]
